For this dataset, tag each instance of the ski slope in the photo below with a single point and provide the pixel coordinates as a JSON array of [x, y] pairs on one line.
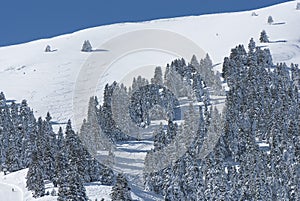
[[63, 80], [49, 80]]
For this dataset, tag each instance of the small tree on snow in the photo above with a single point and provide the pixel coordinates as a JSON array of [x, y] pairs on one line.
[[254, 14], [298, 6], [263, 37], [48, 48], [86, 47], [270, 20]]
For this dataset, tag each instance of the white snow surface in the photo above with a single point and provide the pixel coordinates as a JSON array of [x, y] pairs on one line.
[[17, 182], [51, 80]]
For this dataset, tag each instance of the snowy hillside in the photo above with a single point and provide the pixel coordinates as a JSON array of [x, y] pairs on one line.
[[49, 80], [13, 188], [63, 79]]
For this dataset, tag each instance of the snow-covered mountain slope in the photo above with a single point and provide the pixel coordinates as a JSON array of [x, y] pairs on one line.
[[49, 80], [13, 188], [13, 185]]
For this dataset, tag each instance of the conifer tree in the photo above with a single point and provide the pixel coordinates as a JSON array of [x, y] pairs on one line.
[[263, 37], [270, 20], [35, 179], [158, 76], [86, 47], [121, 190]]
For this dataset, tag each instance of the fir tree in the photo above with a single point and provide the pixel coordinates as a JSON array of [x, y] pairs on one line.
[[270, 20], [48, 48], [70, 182], [86, 47], [35, 180], [121, 190], [158, 76], [263, 37]]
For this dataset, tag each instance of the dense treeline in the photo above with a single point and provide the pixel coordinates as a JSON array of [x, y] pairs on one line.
[[59, 157], [123, 107], [257, 156]]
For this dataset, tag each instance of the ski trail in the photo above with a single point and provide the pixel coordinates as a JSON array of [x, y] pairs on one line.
[[129, 159], [129, 156]]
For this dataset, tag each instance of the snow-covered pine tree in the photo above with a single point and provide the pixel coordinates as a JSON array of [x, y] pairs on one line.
[[29, 128], [13, 154], [60, 139], [49, 163], [48, 48], [173, 81], [50, 149], [138, 82], [295, 75], [121, 191], [270, 20], [120, 104], [35, 179], [86, 47], [159, 138], [198, 86], [76, 189], [91, 133], [263, 37], [158, 76], [86, 166], [106, 119], [204, 70], [77, 152], [59, 157], [62, 165], [69, 180], [172, 129]]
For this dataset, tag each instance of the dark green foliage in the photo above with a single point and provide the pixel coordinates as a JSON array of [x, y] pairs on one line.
[[71, 187], [35, 179], [121, 190]]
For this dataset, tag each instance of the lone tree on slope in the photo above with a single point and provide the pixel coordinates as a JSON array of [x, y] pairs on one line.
[[264, 37], [48, 48], [270, 20], [86, 47]]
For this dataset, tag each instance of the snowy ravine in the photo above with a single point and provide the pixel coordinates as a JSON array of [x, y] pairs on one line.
[[129, 159], [129, 156]]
